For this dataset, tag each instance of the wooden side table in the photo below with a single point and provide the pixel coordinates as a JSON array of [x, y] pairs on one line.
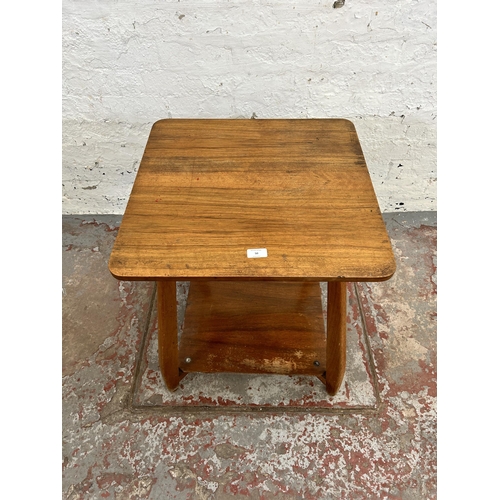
[[254, 213]]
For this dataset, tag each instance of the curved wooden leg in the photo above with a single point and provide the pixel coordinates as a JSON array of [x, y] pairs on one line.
[[336, 318], [168, 351]]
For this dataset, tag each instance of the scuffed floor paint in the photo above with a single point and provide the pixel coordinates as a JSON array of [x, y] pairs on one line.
[[239, 391], [124, 444]]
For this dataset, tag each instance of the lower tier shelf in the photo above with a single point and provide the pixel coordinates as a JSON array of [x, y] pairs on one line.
[[253, 327]]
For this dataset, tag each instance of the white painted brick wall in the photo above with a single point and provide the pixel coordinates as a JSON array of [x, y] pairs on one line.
[[129, 63]]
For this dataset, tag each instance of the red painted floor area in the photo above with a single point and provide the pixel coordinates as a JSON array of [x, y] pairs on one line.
[[259, 437]]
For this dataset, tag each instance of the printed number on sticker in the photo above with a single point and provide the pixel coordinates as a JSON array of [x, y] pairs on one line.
[[255, 253]]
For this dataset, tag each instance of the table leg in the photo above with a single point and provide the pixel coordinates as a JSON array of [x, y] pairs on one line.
[[336, 322], [168, 351]]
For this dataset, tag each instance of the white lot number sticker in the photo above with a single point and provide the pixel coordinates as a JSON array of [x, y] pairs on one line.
[[255, 253]]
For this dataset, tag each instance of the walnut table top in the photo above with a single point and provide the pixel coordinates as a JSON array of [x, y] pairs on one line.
[[209, 192]]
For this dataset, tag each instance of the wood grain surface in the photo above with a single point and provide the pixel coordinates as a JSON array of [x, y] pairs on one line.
[[168, 357], [253, 327], [336, 325], [208, 190]]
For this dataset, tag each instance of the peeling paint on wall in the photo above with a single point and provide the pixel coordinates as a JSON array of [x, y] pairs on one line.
[[128, 64]]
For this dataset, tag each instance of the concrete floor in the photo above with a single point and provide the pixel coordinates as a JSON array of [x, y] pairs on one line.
[[224, 436]]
